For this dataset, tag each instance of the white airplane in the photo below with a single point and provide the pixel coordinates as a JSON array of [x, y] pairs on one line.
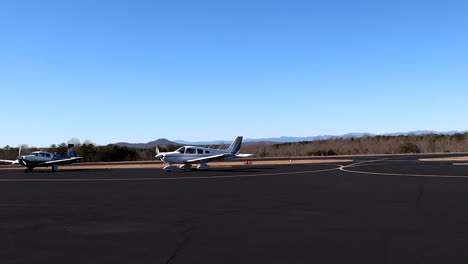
[[45, 159], [190, 154]]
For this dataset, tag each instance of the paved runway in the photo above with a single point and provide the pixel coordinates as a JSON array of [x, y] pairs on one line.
[[391, 209]]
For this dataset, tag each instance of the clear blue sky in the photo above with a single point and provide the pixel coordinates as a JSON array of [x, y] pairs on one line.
[[136, 71]]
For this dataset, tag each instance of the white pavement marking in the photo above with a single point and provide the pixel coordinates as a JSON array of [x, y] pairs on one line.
[[168, 178], [343, 168]]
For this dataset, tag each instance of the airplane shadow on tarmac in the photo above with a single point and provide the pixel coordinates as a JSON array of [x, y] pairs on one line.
[[245, 169], [62, 171]]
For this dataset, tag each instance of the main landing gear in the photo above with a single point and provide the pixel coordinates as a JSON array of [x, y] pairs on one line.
[[185, 166], [170, 167], [29, 169], [203, 166]]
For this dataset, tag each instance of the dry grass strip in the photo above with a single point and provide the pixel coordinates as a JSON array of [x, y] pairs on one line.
[[449, 159], [212, 164]]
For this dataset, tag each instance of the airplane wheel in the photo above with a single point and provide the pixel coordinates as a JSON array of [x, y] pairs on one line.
[[203, 166], [26, 170], [185, 166], [168, 168]]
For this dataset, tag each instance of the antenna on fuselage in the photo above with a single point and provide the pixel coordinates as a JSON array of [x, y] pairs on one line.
[[220, 146]]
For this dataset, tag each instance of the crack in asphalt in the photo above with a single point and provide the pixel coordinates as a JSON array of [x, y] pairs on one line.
[[186, 236], [420, 195]]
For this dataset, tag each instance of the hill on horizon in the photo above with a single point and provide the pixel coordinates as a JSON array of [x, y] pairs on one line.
[[151, 144]]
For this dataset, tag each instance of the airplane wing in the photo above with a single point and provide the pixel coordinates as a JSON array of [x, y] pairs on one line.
[[62, 161], [9, 161], [213, 158]]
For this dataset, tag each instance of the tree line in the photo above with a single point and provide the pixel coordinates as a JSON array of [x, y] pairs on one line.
[[90, 151], [430, 143]]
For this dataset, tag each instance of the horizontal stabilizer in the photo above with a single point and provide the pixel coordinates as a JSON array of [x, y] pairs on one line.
[[244, 155], [9, 161]]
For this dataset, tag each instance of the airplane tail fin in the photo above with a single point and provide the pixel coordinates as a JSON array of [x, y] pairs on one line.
[[235, 146], [71, 152]]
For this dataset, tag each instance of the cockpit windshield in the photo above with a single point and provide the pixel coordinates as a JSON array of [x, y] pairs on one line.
[[181, 150]]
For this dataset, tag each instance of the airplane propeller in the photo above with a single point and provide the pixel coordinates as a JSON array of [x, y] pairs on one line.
[[158, 155], [220, 146], [17, 161]]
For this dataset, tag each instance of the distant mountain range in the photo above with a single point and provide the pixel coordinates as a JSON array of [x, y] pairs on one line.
[[313, 138], [165, 142]]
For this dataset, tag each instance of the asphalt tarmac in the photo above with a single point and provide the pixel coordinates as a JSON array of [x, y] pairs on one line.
[[390, 209]]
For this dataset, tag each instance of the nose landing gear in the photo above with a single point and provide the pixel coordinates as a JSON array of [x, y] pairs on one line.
[[168, 168]]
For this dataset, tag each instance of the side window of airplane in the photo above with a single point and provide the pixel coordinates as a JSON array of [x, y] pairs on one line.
[[47, 155], [181, 150], [42, 154], [199, 151], [190, 151], [36, 154], [207, 152]]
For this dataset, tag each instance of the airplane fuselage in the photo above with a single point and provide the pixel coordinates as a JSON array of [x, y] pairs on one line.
[[184, 154], [37, 157]]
